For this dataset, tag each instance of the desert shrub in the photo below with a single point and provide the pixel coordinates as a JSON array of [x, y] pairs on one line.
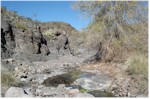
[[93, 39], [107, 25], [78, 37], [83, 90], [138, 68], [49, 34], [20, 26], [7, 79], [143, 85], [138, 64], [29, 19]]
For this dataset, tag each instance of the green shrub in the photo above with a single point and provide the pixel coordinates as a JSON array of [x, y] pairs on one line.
[[83, 90], [21, 26], [49, 34]]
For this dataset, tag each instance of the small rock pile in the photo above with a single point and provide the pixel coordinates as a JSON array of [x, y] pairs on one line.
[[125, 87], [42, 91]]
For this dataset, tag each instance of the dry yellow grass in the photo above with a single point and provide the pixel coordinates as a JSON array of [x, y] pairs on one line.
[[138, 64], [7, 79]]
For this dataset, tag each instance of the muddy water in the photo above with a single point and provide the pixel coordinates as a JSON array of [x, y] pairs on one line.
[[70, 77]]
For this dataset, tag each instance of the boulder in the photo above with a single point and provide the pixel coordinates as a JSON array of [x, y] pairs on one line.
[[44, 50], [97, 82], [16, 92], [73, 91], [60, 43]]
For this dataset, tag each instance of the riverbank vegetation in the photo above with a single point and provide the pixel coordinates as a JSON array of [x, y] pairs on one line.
[[122, 26]]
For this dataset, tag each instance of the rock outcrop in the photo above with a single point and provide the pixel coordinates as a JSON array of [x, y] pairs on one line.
[[104, 53], [22, 37], [31, 42], [19, 38], [7, 40], [59, 44]]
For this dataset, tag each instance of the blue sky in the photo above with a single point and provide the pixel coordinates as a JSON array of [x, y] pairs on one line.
[[48, 11]]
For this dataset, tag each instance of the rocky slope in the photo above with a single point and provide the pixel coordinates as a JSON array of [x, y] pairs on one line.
[[24, 37]]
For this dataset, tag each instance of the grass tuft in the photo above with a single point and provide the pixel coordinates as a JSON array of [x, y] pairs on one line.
[[7, 79], [20, 26], [138, 64], [138, 67], [49, 34]]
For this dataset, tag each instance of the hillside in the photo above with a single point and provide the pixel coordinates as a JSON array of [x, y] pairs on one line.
[[20, 27], [59, 25]]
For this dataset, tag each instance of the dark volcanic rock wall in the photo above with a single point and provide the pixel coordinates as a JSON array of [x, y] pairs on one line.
[[59, 43], [17, 38], [23, 37], [7, 40], [30, 42]]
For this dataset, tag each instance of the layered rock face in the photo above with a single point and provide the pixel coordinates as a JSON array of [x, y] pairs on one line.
[[16, 41], [59, 43], [21, 37], [31, 42]]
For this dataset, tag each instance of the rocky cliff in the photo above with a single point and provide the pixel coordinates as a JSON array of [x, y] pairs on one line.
[[23, 37]]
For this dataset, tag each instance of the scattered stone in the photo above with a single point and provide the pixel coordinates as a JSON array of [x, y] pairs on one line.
[[23, 79], [61, 86], [86, 95], [73, 91]]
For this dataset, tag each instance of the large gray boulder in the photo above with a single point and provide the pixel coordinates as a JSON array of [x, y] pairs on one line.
[[62, 43], [16, 92], [97, 82], [58, 42]]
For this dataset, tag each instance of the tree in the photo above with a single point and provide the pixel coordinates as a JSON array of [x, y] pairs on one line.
[[111, 16], [121, 26]]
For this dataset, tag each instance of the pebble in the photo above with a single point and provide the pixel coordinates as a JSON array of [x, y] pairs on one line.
[[83, 95], [73, 91], [23, 79], [16, 68], [61, 86]]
